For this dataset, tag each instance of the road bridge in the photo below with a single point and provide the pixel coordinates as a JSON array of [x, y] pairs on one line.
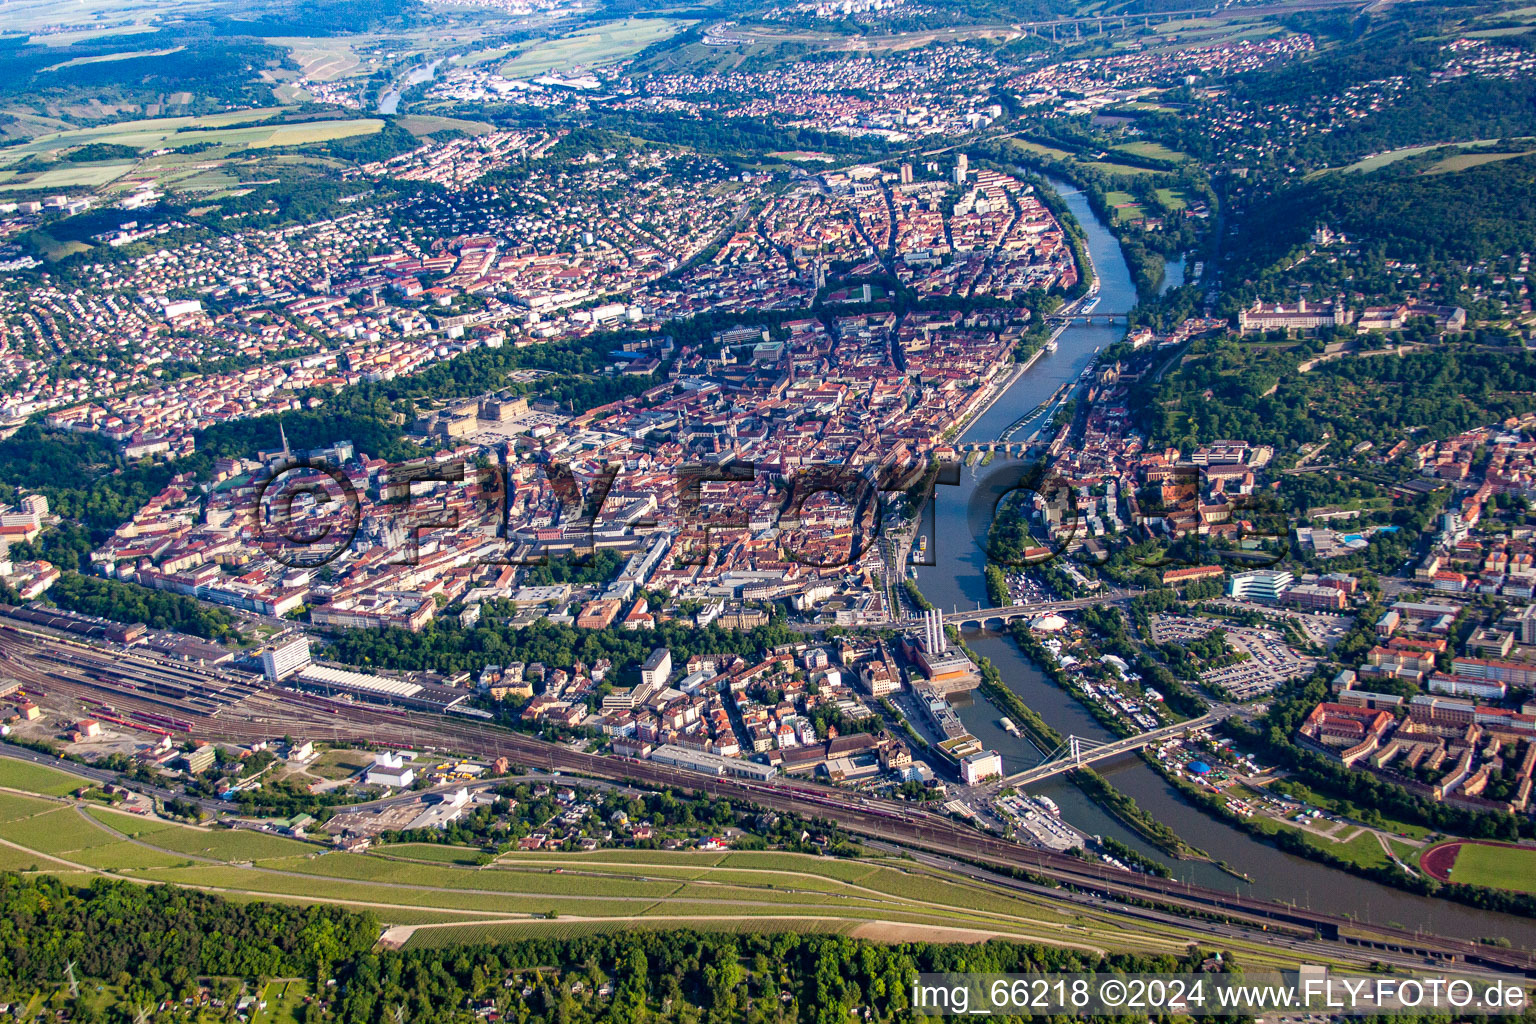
[[980, 618]]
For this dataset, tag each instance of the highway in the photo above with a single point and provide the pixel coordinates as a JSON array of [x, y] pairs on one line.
[[274, 712]]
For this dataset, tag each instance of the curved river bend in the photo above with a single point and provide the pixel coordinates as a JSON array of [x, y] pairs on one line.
[[961, 517]]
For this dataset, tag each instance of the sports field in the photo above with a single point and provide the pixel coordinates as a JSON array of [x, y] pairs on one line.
[[601, 44], [1495, 865]]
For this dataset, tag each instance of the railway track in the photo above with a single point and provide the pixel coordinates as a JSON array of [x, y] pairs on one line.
[[258, 713]]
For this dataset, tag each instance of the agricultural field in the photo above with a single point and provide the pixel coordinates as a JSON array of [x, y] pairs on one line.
[[106, 58], [227, 130], [71, 175], [434, 895], [428, 124], [36, 778], [323, 59], [1214, 31], [1465, 161], [125, 17], [15, 808], [1453, 162], [59, 831], [431, 852], [601, 44], [433, 936]]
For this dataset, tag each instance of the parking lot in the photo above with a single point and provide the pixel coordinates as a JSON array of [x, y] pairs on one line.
[[1270, 661]]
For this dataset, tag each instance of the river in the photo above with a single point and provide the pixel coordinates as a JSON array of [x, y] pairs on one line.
[[961, 516], [389, 103]]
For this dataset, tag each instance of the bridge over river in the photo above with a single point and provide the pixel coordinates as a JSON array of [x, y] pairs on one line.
[[1077, 752]]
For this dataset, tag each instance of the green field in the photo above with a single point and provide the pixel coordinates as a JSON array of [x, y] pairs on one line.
[[285, 1002], [322, 59], [1464, 161], [1499, 867], [431, 852], [1038, 150], [76, 175], [427, 124], [601, 44], [12, 859], [477, 934], [36, 778], [1155, 150], [1453, 162], [415, 884], [32, 15], [58, 831], [1124, 205], [1113, 168]]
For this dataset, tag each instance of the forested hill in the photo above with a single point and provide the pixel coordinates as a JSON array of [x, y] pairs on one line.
[[1228, 388], [1406, 211]]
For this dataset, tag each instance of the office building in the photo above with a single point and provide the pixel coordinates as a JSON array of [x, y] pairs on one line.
[[656, 670], [283, 659], [1267, 585]]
